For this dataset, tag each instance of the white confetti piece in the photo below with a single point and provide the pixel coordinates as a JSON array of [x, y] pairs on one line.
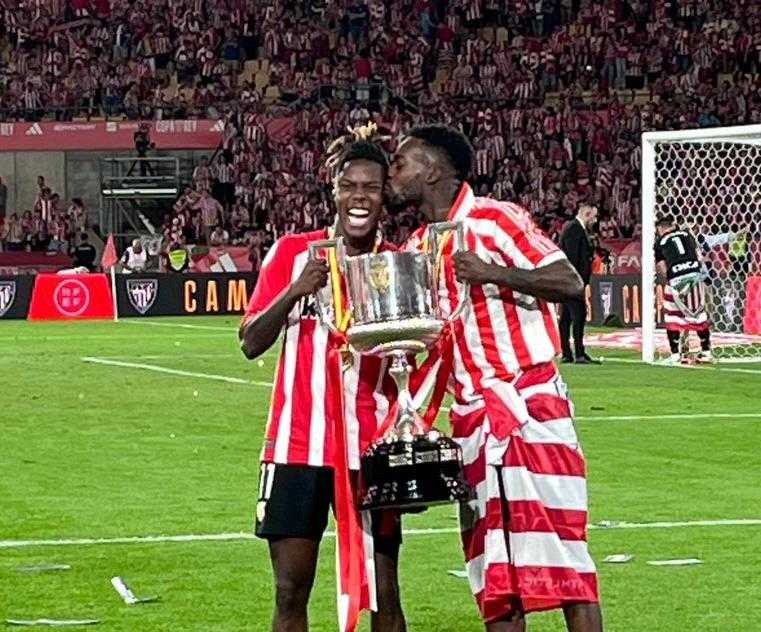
[[125, 592], [685, 562], [41, 568], [54, 622], [618, 558]]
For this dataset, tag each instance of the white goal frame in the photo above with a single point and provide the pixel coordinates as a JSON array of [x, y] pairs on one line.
[[740, 133]]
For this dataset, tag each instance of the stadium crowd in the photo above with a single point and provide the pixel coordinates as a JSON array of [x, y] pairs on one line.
[[48, 227], [554, 93]]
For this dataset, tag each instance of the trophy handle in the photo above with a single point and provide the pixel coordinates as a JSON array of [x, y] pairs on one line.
[[435, 231], [314, 248]]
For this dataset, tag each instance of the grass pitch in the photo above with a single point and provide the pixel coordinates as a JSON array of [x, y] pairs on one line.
[[92, 450]]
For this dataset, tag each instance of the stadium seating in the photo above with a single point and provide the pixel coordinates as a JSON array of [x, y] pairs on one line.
[[531, 94]]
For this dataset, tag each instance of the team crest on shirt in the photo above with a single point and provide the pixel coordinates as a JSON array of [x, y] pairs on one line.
[[7, 295], [142, 293]]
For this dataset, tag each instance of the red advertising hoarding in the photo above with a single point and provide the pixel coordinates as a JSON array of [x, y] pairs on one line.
[[71, 296], [57, 136]]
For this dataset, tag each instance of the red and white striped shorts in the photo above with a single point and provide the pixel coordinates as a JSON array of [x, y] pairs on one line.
[[693, 318], [524, 536]]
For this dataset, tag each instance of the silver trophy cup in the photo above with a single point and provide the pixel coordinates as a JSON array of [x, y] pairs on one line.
[[395, 313]]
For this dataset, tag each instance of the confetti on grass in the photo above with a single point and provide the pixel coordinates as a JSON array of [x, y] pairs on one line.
[[619, 558], [42, 568], [52, 622], [685, 562], [125, 592]]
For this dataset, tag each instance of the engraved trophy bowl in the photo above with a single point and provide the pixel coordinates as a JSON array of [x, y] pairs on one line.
[[393, 302]]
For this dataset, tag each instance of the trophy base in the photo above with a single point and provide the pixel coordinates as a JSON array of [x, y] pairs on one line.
[[411, 335], [413, 471]]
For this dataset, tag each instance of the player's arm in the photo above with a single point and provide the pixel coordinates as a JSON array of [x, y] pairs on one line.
[[534, 265], [260, 330], [556, 282], [661, 268]]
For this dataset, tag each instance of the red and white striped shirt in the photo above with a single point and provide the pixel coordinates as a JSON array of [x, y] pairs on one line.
[[302, 411], [503, 332]]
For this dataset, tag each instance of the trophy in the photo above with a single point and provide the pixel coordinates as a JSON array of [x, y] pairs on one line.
[[395, 314]]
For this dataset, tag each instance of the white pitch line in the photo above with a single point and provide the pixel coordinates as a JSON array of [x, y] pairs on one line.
[[719, 369], [677, 417], [162, 369], [107, 336], [658, 417], [181, 325], [233, 353], [224, 537], [237, 380]]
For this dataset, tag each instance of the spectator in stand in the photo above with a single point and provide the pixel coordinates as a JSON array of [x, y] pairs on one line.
[[78, 214], [202, 175], [212, 212], [219, 237], [44, 204], [608, 229], [84, 254], [13, 233], [224, 180]]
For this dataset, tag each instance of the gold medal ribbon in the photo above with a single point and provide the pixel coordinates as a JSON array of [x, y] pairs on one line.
[[342, 313]]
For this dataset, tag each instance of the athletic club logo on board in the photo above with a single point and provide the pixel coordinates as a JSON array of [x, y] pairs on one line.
[[142, 293], [71, 297], [7, 295]]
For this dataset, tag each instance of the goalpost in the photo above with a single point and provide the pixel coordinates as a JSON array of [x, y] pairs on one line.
[[709, 181]]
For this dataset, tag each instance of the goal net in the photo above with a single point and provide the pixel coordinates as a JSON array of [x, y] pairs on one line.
[[709, 182]]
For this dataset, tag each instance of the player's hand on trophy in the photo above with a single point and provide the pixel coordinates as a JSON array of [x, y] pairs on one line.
[[314, 276], [470, 268]]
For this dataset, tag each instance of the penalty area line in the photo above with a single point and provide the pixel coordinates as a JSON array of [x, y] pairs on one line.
[[178, 372], [224, 537]]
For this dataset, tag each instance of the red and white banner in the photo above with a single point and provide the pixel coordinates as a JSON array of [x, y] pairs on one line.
[[222, 259], [71, 296], [53, 136]]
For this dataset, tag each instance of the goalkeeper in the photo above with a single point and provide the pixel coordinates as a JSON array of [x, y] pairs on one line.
[[677, 259]]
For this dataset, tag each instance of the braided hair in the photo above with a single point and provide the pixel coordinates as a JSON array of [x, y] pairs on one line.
[[359, 143]]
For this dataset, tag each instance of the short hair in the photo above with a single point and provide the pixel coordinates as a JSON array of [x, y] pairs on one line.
[[359, 143], [664, 221], [451, 142]]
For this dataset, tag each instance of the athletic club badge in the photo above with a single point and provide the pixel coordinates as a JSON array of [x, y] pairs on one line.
[[142, 293], [7, 295]]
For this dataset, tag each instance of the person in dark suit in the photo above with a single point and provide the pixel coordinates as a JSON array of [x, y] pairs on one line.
[[577, 246]]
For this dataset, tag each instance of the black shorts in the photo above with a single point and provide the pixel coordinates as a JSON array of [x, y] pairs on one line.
[[294, 500]]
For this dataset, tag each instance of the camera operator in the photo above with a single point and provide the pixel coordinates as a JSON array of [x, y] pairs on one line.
[[142, 139]]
